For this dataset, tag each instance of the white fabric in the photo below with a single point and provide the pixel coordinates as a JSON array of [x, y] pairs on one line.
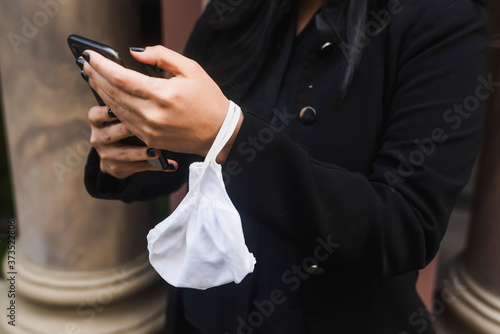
[[201, 244]]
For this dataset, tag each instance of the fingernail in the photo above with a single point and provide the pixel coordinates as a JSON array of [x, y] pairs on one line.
[[151, 152], [111, 114], [171, 167], [80, 63], [84, 76], [86, 56], [137, 48]]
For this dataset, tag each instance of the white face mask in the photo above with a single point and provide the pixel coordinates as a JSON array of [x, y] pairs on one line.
[[201, 244]]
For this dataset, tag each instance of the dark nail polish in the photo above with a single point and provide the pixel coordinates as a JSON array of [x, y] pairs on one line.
[[171, 167], [80, 63], [151, 152], [111, 114], [85, 76], [137, 48], [86, 56]]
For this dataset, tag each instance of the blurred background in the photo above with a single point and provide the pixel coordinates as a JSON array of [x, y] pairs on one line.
[[79, 265]]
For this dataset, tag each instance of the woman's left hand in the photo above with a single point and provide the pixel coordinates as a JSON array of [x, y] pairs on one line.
[[181, 114]]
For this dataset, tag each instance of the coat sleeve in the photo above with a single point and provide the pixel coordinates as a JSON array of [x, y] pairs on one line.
[[392, 220]]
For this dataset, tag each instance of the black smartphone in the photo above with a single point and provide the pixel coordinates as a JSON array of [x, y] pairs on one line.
[[78, 45]]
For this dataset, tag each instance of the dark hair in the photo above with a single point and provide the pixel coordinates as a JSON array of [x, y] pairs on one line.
[[254, 22]]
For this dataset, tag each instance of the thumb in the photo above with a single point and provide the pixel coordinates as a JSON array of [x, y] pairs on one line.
[[162, 57]]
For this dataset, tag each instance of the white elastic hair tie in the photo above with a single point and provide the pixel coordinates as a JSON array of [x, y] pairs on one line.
[[225, 132]]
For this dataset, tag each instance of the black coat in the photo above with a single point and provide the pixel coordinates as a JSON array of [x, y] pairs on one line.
[[342, 204]]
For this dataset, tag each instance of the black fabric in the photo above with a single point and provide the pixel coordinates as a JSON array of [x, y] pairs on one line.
[[364, 192], [138, 187]]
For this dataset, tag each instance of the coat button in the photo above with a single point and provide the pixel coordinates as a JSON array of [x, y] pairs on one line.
[[307, 115], [315, 270]]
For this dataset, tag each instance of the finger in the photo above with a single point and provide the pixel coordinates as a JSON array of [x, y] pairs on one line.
[[121, 153], [109, 134], [165, 59], [128, 153], [153, 154], [123, 170], [113, 78], [100, 115], [125, 110]]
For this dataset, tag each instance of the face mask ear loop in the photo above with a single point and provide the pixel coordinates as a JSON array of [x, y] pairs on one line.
[[225, 132]]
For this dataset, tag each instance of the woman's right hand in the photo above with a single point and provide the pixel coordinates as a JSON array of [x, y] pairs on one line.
[[117, 159]]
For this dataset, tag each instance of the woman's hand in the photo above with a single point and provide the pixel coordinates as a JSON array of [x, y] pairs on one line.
[[181, 114], [117, 159]]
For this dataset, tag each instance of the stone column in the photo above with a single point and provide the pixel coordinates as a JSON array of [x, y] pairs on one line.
[[80, 264], [473, 280]]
